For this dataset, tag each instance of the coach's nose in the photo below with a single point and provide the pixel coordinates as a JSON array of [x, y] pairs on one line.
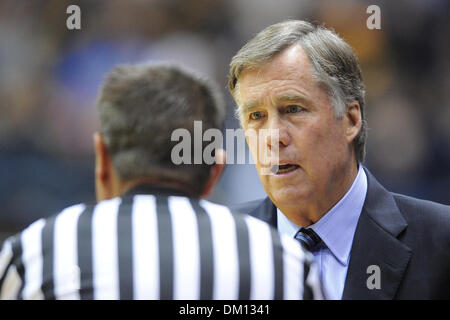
[[278, 135]]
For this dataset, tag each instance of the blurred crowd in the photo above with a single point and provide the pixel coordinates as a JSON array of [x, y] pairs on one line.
[[49, 78]]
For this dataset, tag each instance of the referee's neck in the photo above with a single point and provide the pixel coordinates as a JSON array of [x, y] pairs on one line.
[[121, 188], [183, 188]]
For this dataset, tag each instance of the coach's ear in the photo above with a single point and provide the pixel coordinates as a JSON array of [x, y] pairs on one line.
[[215, 173], [103, 169], [353, 120]]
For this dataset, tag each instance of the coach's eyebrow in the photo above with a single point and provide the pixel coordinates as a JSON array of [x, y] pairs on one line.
[[250, 105], [292, 98], [278, 100]]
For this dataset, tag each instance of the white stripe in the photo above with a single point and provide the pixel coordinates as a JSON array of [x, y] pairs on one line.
[[313, 281], [5, 256], [66, 270], [31, 239], [145, 248], [261, 260], [293, 258], [226, 260], [186, 249], [11, 285], [104, 243]]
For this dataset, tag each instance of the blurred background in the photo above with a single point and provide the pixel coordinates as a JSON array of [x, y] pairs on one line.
[[49, 78]]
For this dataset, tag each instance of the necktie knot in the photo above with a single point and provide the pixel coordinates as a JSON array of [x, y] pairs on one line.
[[308, 238]]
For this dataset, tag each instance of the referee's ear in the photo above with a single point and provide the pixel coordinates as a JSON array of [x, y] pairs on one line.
[[215, 173], [104, 184]]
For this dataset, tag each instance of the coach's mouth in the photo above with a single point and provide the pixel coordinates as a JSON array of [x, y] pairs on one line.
[[284, 168]]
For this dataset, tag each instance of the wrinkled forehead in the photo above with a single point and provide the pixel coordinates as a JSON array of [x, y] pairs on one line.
[[287, 74], [289, 63]]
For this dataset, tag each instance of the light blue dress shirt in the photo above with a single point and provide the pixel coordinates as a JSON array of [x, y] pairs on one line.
[[336, 229]]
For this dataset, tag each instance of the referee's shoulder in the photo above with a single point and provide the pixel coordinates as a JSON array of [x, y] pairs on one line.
[[72, 209], [69, 210], [283, 242], [41, 222]]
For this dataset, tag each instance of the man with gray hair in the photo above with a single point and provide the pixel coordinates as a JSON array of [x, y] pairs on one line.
[[150, 236], [304, 83]]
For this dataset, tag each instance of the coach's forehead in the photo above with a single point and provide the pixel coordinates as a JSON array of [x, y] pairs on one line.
[[291, 63], [290, 69]]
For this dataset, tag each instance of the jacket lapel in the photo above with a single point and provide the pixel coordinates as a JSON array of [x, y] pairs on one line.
[[266, 211], [375, 244]]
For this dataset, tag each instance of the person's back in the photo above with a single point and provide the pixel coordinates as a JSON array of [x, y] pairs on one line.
[[156, 244], [150, 236]]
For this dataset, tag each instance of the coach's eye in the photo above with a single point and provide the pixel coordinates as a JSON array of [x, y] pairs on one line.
[[256, 115], [293, 109]]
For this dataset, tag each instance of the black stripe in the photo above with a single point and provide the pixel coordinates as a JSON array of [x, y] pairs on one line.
[[125, 249], [307, 291], [206, 252], [166, 268], [48, 252], [243, 244], [277, 250], [84, 240]]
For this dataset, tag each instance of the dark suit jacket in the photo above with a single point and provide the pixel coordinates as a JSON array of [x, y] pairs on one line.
[[408, 238]]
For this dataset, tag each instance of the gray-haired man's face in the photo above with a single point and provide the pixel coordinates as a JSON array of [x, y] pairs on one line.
[[314, 145]]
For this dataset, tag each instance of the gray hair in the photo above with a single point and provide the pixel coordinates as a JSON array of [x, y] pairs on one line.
[[335, 65], [139, 108]]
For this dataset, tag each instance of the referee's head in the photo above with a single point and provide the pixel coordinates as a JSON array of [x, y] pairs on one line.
[[139, 107]]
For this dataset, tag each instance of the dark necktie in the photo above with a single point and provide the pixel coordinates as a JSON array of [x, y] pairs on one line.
[[309, 239]]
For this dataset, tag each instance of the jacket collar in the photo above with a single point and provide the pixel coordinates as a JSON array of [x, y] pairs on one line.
[[266, 211], [376, 244]]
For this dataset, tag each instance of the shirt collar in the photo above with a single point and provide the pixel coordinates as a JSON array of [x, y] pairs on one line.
[[337, 227]]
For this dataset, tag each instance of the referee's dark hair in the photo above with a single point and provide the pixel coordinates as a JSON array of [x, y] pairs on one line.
[[176, 98]]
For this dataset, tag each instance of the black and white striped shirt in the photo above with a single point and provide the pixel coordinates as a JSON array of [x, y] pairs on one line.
[[154, 246]]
